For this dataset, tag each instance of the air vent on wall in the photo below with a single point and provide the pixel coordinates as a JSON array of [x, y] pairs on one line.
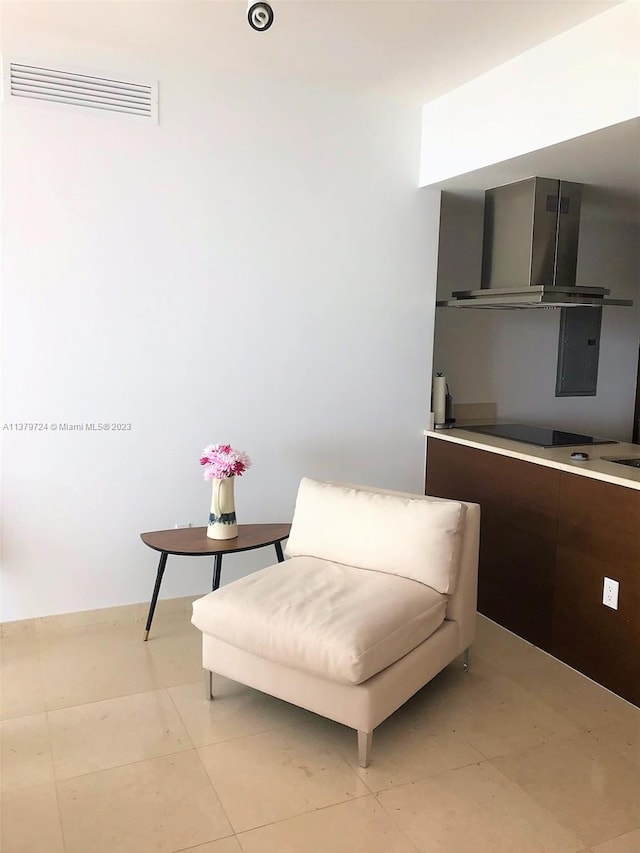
[[83, 90]]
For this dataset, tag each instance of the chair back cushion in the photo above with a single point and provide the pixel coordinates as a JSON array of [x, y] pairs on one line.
[[412, 536]]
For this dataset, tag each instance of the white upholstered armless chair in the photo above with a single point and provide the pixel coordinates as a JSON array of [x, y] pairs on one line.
[[378, 596]]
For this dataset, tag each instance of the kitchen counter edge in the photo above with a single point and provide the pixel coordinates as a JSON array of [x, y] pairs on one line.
[[597, 467]]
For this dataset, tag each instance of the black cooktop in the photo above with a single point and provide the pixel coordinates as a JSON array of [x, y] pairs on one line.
[[540, 436]]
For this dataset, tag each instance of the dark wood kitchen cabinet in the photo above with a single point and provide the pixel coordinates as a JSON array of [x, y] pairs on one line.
[[598, 537], [519, 502], [548, 538]]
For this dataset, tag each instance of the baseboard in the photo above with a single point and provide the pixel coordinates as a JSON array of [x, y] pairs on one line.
[[127, 614]]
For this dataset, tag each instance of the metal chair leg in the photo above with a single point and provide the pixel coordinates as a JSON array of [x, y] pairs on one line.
[[364, 748], [465, 660]]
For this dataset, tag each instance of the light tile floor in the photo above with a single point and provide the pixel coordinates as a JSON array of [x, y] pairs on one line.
[[109, 746]]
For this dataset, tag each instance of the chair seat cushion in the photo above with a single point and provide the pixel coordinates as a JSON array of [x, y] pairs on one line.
[[339, 622]]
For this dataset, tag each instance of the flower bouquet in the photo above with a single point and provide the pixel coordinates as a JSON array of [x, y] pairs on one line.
[[222, 464], [221, 461]]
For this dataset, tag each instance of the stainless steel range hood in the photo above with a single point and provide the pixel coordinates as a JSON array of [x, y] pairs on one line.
[[530, 250]]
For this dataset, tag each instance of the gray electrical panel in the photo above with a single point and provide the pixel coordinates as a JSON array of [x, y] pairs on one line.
[[578, 352]]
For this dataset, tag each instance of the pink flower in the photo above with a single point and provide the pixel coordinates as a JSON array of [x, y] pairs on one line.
[[222, 461]]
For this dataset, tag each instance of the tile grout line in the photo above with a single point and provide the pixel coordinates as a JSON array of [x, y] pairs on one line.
[[551, 817], [531, 691], [302, 814], [199, 846], [542, 806], [581, 728], [190, 748], [177, 710], [217, 795], [556, 738], [395, 822], [431, 776], [252, 734], [561, 663], [105, 699], [336, 748], [634, 762], [336, 752], [50, 748], [126, 764], [143, 761]]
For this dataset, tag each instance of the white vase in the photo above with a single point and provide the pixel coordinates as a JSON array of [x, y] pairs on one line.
[[222, 517]]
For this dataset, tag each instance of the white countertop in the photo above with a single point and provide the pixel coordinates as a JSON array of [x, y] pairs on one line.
[[598, 467]]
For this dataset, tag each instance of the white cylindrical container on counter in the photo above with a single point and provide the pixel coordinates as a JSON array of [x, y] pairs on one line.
[[439, 398]]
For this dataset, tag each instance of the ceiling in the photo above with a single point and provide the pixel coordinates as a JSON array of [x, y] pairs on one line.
[[401, 49], [414, 51], [607, 159]]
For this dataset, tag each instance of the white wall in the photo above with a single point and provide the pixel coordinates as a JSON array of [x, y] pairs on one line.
[[580, 81], [463, 339], [510, 357], [258, 269]]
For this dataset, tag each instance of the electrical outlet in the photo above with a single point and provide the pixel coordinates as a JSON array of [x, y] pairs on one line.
[[181, 526], [610, 593]]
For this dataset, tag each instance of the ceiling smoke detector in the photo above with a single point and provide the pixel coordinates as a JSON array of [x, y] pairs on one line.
[[260, 16]]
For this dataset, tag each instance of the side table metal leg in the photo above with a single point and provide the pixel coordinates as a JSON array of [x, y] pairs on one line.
[[217, 571], [208, 685], [156, 590], [280, 555]]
